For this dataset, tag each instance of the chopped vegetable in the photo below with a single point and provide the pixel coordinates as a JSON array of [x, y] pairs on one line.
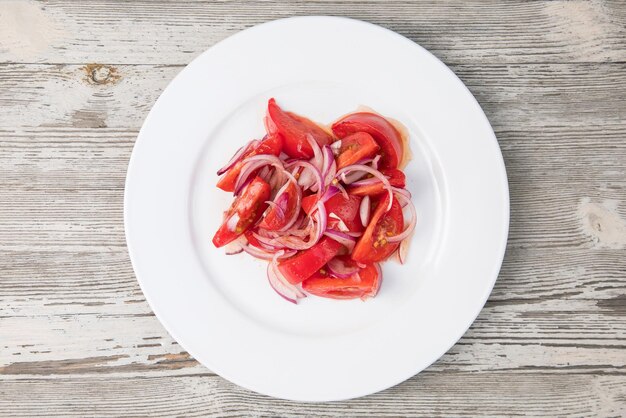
[[323, 210]]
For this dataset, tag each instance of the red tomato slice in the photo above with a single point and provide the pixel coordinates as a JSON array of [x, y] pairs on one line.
[[373, 245], [244, 212], [365, 284], [252, 240], [305, 263], [356, 147], [271, 145], [347, 210], [382, 131], [294, 129], [279, 215], [308, 203], [396, 179]]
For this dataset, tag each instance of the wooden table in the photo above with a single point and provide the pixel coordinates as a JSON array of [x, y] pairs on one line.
[[76, 82]]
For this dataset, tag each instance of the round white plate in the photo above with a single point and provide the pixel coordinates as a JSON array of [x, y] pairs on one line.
[[221, 308]]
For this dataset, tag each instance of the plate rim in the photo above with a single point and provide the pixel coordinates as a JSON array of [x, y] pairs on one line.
[[505, 208]]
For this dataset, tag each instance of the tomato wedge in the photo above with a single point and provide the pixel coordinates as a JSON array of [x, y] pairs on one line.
[[373, 245], [356, 147], [308, 203], [294, 129], [286, 205], [380, 129], [364, 284], [347, 210], [396, 179], [304, 264], [271, 145], [244, 212]]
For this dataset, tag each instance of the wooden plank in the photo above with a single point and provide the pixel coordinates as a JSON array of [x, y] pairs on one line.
[[514, 97], [428, 394], [169, 32], [563, 313]]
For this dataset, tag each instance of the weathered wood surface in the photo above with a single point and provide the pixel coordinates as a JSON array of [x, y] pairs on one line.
[[78, 338]]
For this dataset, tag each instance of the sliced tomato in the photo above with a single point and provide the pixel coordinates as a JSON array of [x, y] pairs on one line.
[[396, 179], [294, 129], [252, 240], [356, 147], [387, 136], [272, 145], [308, 203], [364, 284], [305, 263], [283, 212], [347, 210], [373, 245], [244, 212]]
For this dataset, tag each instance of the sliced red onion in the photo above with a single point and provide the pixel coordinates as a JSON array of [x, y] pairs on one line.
[[296, 212], [232, 222], [349, 178], [409, 229], [364, 211], [284, 289], [253, 251], [280, 205], [403, 251], [342, 238], [341, 189], [375, 162], [265, 173], [366, 182], [340, 269], [233, 248], [330, 192], [361, 265], [243, 186], [251, 164], [319, 180], [329, 165], [375, 173], [318, 158], [403, 192], [336, 147], [354, 234], [240, 152], [330, 175]]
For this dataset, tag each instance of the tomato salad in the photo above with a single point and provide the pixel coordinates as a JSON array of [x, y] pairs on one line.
[[324, 208]]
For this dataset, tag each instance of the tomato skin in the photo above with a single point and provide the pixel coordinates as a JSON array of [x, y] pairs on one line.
[[373, 245], [249, 206], [396, 179], [356, 147], [274, 220], [272, 145], [294, 129], [346, 209], [305, 263], [308, 203], [385, 134], [364, 285]]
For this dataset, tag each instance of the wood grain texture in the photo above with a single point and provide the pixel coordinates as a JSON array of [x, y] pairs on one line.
[[77, 79], [165, 32], [428, 394]]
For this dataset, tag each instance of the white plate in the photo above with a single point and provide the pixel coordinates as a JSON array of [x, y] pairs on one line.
[[221, 308]]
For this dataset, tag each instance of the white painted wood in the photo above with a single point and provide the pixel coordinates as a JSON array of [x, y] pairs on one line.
[[78, 78]]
